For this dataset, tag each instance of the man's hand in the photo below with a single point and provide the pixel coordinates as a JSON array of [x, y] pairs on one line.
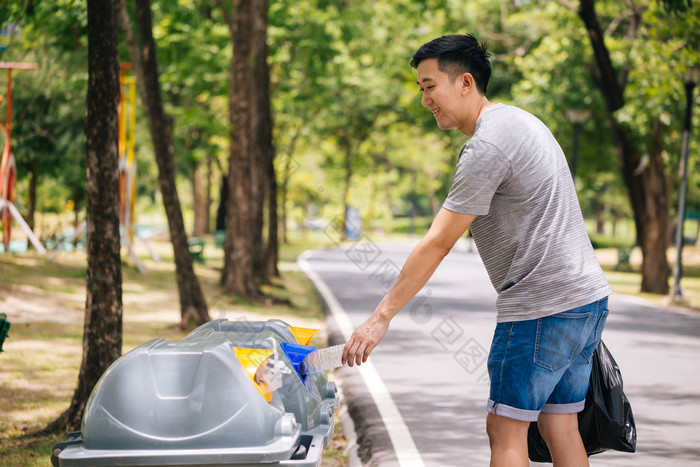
[[447, 227], [365, 339]]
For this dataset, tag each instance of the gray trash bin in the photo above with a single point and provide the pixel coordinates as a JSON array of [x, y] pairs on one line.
[[197, 402]]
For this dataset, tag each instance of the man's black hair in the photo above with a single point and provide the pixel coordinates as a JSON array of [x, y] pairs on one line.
[[458, 54]]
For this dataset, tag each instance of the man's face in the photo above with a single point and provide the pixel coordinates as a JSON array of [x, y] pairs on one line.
[[441, 95]]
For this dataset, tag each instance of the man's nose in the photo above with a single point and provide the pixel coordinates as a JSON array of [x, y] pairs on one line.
[[425, 100]]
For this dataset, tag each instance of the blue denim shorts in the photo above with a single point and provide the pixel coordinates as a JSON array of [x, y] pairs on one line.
[[543, 365]]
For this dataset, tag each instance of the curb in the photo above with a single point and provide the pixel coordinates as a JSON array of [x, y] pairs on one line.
[[350, 434]]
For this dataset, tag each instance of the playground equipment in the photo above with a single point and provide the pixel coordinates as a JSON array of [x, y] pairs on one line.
[[127, 161], [8, 168], [127, 174], [127, 164]]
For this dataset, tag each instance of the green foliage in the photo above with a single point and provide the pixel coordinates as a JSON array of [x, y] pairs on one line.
[[343, 93], [676, 6], [555, 77], [601, 241], [48, 103], [194, 53]]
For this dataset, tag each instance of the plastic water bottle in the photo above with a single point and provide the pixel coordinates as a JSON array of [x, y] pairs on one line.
[[270, 374], [323, 359]]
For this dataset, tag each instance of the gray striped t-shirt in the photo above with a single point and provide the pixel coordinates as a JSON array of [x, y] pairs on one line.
[[529, 228]]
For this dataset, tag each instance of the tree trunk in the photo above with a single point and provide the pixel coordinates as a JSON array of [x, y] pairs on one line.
[[207, 198], [258, 186], [193, 307], [102, 337], [268, 255], [646, 190], [599, 222], [272, 250], [259, 92], [285, 181], [220, 223], [285, 238], [238, 274], [200, 201], [655, 267]]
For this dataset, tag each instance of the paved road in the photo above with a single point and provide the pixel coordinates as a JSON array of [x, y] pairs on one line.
[[428, 376]]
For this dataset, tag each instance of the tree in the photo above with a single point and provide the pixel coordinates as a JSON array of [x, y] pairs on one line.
[[238, 275], [647, 190], [193, 307], [193, 57], [301, 50], [363, 84], [102, 338], [628, 75], [266, 263], [201, 199], [252, 197]]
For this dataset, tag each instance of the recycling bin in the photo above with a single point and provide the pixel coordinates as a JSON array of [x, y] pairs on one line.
[[222, 398]]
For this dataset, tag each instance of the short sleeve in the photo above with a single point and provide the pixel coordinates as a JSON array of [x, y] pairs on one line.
[[481, 169]]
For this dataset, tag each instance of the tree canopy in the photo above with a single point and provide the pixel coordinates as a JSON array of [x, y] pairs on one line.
[[348, 125]]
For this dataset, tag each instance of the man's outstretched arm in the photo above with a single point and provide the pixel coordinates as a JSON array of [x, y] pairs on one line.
[[446, 229]]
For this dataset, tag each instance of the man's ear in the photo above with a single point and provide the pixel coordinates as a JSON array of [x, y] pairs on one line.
[[467, 82]]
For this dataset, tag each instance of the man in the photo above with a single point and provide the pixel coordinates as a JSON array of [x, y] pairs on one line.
[[513, 190]]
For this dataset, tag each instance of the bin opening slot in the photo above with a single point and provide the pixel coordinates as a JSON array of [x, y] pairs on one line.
[[303, 448]]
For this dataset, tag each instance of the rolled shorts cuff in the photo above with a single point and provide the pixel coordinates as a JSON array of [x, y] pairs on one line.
[[512, 412], [574, 407]]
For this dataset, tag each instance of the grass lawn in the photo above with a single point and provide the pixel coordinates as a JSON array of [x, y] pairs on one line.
[[45, 301], [629, 283]]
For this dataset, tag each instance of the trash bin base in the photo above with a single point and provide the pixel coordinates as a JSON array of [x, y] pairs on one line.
[[76, 455]]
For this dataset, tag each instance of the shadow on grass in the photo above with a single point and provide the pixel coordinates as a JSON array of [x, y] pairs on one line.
[[30, 449]]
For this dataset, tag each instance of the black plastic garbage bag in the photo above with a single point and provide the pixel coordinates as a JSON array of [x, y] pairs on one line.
[[606, 422]]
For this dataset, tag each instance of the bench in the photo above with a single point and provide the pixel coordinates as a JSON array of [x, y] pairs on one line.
[[196, 246], [219, 238], [4, 328]]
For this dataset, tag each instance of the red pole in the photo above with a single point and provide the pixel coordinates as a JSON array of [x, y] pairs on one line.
[[9, 104]]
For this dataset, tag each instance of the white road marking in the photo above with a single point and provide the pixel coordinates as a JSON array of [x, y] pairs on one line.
[[404, 447]]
